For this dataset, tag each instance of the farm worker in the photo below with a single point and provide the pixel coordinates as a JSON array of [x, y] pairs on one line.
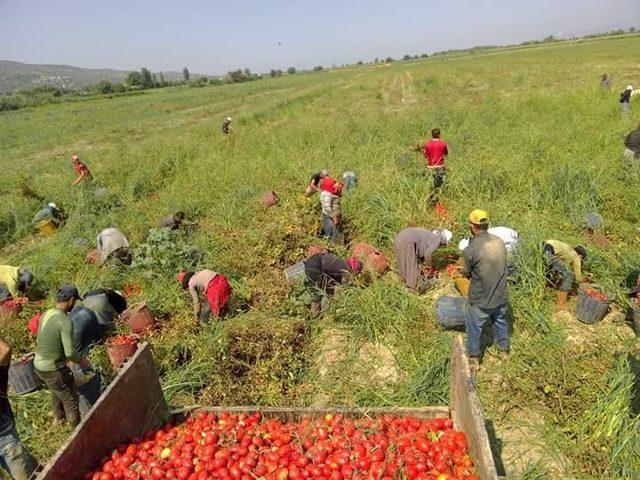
[[564, 267], [485, 264], [435, 151], [81, 169], [113, 244], [14, 281], [49, 212], [55, 348], [314, 183], [86, 334], [350, 180], [509, 237], [15, 459], [605, 82], [174, 222], [325, 271], [214, 286], [226, 126], [106, 304], [625, 98], [632, 145], [330, 201], [413, 246]]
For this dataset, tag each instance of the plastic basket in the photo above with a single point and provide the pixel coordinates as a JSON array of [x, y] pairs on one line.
[[451, 311], [139, 318], [590, 310], [47, 227], [22, 376], [295, 272]]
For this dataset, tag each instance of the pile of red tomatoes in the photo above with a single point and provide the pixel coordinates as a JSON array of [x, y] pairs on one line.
[[247, 447], [597, 294]]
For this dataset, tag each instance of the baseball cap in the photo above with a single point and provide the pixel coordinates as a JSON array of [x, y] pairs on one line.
[[479, 217], [67, 292]]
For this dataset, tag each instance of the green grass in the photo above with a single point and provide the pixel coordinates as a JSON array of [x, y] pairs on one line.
[[533, 141]]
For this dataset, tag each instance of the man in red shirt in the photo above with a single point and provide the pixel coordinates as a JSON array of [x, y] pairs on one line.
[[435, 151], [81, 169]]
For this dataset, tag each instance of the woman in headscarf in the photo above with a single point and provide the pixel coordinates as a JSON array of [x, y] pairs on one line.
[[215, 288]]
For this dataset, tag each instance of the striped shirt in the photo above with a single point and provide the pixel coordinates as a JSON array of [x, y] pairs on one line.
[[330, 204]]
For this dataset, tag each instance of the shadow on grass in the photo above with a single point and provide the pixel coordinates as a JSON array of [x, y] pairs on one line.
[[496, 447]]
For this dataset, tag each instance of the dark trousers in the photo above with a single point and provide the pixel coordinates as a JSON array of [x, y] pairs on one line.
[[64, 397], [439, 177]]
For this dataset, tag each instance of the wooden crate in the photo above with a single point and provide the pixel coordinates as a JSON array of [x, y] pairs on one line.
[[133, 404]]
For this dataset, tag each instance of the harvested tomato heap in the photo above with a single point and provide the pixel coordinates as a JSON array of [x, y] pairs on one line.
[[597, 294], [121, 340], [246, 447]]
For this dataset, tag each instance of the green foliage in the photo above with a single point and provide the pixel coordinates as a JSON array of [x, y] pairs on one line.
[[164, 254], [291, 70]]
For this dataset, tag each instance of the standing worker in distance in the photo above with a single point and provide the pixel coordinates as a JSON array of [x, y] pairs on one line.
[[14, 282], [414, 246], [485, 264], [564, 267], [632, 145], [226, 126], [215, 288], [15, 459], [81, 169], [54, 349], [435, 151]]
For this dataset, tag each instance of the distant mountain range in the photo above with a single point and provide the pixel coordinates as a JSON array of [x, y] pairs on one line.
[[23, 76]]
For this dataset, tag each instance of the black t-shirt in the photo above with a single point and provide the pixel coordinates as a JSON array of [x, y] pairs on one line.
[[633, 141], [625, 96], [326, 270], [315, 179], [6, 415], [86, 330], [117, 301]]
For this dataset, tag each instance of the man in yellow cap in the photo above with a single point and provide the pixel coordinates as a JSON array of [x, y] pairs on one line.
[[485, 264]]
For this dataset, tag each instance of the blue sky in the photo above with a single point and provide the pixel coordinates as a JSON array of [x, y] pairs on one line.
[[215, 36]]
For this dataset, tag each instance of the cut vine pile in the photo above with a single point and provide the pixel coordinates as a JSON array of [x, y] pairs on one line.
[[247, 447]]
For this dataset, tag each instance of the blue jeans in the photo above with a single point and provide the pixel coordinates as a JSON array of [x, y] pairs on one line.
[[329, 228], [476, 318], [14, 458]]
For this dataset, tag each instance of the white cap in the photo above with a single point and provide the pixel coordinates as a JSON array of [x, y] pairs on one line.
[[445, 235], [324, 173], [228, 119], [629, 87], [464, 243], [52, 205]]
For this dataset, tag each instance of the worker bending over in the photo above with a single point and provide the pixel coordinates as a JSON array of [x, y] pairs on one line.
[[632, 145], [112, 244], [330, 193], [314, 183], [485, 264], [213, 286], [81, 169], [324, 272], [415, 246], [564, 268], [14, 282]]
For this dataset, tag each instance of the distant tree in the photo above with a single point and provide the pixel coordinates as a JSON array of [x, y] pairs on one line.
[[155, 80], [104, 86], [424, 55], [134, 79], [162, 80], [119, 88], [317, 68], [389, 60], [550, 38], [185, 74], [291, 70], [407, 57], [279, 72], [247, 72], [632, 30], [199, 82], [146, 81], [376, 60], [216, 81], [360, 62], [273, 72]]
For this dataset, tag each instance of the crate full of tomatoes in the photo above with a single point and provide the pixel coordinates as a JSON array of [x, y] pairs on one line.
[[229, 446]]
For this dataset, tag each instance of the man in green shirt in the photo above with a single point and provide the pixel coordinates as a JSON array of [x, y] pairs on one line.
[[54, 349], [564, 267]]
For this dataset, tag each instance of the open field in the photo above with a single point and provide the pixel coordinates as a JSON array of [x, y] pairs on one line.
[[533, 140]]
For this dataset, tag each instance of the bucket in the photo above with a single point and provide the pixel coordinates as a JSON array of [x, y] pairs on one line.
[[139, 318], [120, 353], [295, 272], [372, 258], [590, 310], [269, 199], [47, 227], [22, 376], [451, 311], [10, 309]]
